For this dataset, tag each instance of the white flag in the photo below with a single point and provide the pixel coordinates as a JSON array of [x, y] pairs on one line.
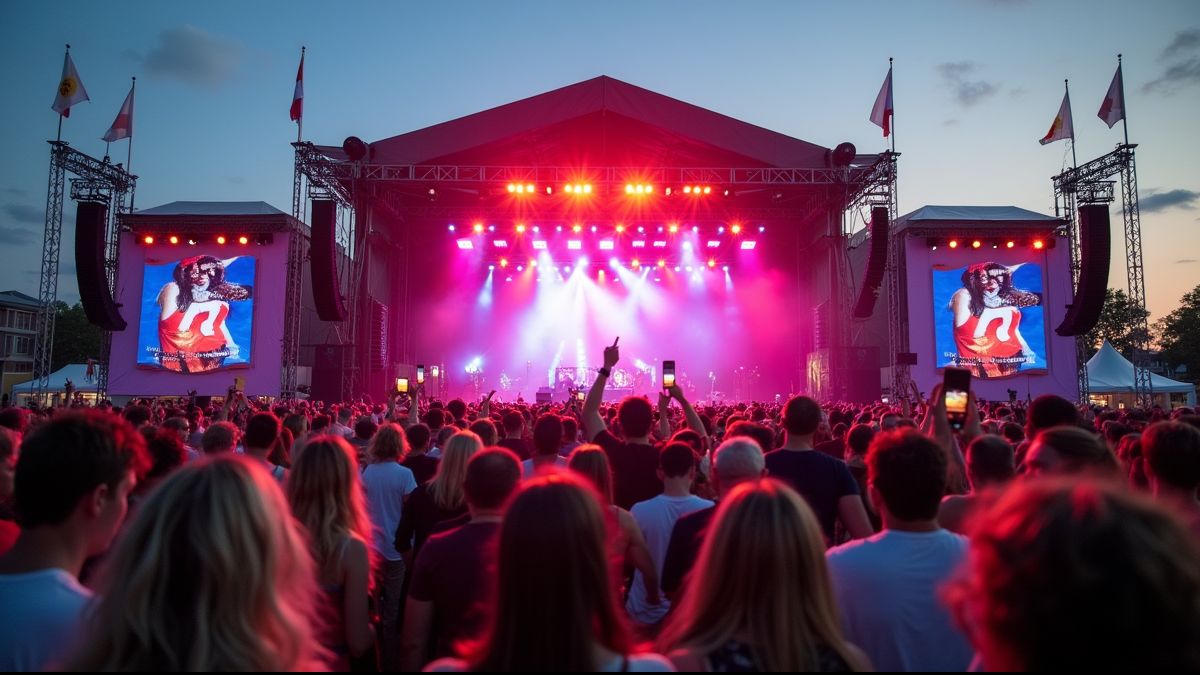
[[122, 127], [881, 114], [70, 89], [1112, 110], [1062, 126]]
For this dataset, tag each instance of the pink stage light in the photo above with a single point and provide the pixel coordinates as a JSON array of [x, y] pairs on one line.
[[749, 245], [713, 243], [735, 228], [520, 228], [711, 263], [539, 245], [478, 228], [451, 228], [577, 229], [574, 245], [660, 244], [500, 243], [674, 228], [504, 262], [620, 228], [607, 245], [639, 243], [466, 244]]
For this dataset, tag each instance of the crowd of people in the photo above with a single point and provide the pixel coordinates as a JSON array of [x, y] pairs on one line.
[[581, 536]]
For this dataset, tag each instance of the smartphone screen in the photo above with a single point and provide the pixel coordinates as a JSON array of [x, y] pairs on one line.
[[955, 391], [580, 395], [420, 374], [668, 374], [402, 385]]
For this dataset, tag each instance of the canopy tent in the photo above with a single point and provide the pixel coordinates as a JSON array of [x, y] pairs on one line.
[[1111, 373], [76, 373]]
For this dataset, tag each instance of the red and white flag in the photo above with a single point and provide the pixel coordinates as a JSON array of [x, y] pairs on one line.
[[1112, 110], [881, 114], [298, 95], [1062, 126], [122, 127], [70, 89]]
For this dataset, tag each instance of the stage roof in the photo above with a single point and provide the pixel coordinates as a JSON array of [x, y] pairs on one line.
[[212, 209], [978, 217]]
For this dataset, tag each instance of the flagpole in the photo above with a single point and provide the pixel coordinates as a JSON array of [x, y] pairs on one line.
[[129, 154], [300, 121], [58, 138], [1067, 87], [1124, 110], [893, 83]]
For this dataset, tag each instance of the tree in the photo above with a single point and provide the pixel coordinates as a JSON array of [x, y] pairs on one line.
[[1120, 323], [75, 339], [1179, 334]]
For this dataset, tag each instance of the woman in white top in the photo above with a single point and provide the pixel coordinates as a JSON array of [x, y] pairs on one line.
[[555, 607]]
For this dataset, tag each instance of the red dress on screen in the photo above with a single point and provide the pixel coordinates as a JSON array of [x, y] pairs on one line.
[[181, 348], [979, 353]]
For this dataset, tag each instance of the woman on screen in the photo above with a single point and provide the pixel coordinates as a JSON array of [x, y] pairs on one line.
[[987, 321], [192, 331]]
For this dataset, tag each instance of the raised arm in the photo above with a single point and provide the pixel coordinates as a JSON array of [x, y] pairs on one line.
[[693, 419], [593, 423], [664, 421]]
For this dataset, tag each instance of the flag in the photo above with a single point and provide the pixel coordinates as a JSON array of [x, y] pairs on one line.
[[881, 114], [1112, 110], [1062, 126], [122, 127], [70, 89], [298, 95]]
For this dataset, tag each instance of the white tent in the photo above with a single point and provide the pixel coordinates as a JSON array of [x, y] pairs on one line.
[[1111, 373], [76, 373]]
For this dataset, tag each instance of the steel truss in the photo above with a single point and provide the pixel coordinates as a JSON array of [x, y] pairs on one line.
[[1088, 184], [98, 180]]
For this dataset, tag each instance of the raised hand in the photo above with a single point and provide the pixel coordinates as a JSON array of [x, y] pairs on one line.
[[612, 354]]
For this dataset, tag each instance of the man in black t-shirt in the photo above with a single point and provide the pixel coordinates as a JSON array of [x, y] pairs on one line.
[[514, 435], [824, 482]]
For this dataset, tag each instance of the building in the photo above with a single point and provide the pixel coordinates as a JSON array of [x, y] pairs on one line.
[[18, 328]]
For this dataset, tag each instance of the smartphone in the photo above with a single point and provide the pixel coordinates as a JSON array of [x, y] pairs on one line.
[[420, 374], [580, 395], [956, 390], [668, 374], [239, 383], [401, 385]]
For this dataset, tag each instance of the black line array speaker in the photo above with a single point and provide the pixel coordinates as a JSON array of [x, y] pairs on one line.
[[327, 294], [327, 373], [1095, 246], [876, 265], [94, 293]]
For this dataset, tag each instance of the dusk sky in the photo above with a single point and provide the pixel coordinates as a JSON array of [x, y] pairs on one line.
[[977, 83]]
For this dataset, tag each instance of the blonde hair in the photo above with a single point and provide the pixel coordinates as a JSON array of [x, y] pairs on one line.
[[211, 575], [388, 444], [761, 572], [591, 462], [326, 496], [446, 486]]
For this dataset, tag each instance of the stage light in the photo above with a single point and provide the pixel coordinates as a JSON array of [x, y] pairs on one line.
[[620, 228], [466, 244], [536, 228], [1039, 244], [713, 243], [674, 228], [520, 268], [639, 243], [636, 264], [507, 279], [583, 262], [749, 245], [520, 228], [721, 230], [512, 188], [435, 371], [594, 228], [500, 243], [976, 244], [607, 244], [762, 228], [629, 188], [451, 228], [491, 268], [191, 242], [641, 230], [614, 263], [504, 262], [707, 190], [558, 228], [574, 245], [677, 268], [660, 244], [1010, 244], [529, 188], [687, 245], [533, 264], [725, 268], [687, 189], [221, 239], [953, 243], [935, 247], [667, 192], [549, 190], [711, 263], [689, 269], [735, 228], [478, 228], [567, 269], [174, 239], [695, 228], [577, 229], [662, 263], [539, 245], [587, 188], [147, 240], [491, 228], [243, 240]]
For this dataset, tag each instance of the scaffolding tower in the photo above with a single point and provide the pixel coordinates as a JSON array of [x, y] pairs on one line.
[[1088, 184], [96, 180]]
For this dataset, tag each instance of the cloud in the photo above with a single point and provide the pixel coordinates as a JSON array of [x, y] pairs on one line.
[[968, 92], [1183, 69], [1161, 201], [23, 213], [191, 55], [1186, 261], [15, 236], [1185, 41], [1018, 92], [950, 123]]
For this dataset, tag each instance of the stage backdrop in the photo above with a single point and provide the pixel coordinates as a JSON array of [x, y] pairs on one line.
[[235, 327], [1032, 289]]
